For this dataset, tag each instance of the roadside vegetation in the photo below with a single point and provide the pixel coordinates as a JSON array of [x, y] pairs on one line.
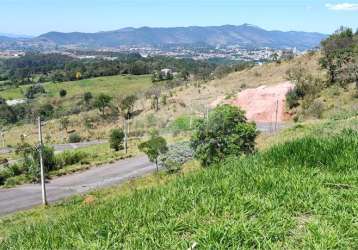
[[225, 185], [299, 194]]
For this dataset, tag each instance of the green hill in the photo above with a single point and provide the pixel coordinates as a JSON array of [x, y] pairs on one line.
[[301, 194]]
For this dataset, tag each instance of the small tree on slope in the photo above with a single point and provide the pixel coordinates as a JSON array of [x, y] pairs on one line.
[[225, 132]]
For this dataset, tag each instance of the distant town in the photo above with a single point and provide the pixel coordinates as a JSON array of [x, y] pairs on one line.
[[232, 53]]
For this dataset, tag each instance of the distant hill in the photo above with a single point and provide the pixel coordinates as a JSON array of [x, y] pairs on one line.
[[244, 35], [15, 35]]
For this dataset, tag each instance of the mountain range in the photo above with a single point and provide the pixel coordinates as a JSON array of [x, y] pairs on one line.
[[245, 35]]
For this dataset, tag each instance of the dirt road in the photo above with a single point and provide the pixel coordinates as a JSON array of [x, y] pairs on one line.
[[261, 103]]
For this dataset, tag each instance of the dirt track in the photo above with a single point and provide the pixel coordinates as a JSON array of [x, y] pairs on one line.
[[261, 103]]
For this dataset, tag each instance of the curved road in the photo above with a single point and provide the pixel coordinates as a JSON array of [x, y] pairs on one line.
[[27, 196]]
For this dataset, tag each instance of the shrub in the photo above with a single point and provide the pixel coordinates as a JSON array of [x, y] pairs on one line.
[[63, 93], [87, 97], [316, 109], [176, 156], [68, 158], [292, 98], [154, 147], [116, 139], [33, 162], [74, 138], [33, 90], [46, 110], [225, 132]]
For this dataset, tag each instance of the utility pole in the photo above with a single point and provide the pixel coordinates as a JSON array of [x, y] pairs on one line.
[[276, 116], [43, 187], [2, 133], [125, 129]]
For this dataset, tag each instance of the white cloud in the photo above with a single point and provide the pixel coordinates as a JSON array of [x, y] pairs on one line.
[[343, 6]]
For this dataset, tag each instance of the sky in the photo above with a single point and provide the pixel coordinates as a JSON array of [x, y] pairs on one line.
[[35, 17]]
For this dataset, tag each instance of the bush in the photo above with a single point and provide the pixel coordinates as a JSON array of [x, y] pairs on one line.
[[316, 109], [33, 163], [87, 97], [292, 98], [176, 156], [225, 132], [68, 158], [63, 93], [74, 138], [116, 139], [46, 110], [33, 90]]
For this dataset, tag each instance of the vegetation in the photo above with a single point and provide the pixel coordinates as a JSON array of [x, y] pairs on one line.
[[74, 138], [116, 139], [223, 133], [101, 102], [176, 156], [300, 194], [39, 68], [154, 147]]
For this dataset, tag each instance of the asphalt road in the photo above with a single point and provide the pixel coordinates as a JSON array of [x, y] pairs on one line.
[[27, 196]]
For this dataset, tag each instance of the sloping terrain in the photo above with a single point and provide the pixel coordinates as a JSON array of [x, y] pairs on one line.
[[297, 195]]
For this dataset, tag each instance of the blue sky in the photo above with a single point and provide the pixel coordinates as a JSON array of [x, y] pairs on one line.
[[34, 17]]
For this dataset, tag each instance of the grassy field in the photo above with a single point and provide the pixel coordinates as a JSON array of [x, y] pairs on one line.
[[111, 85], [297, 195]]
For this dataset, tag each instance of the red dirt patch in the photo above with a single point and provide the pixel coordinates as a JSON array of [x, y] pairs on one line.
[[261, 103]]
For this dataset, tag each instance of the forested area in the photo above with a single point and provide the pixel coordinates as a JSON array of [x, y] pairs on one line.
[[39, 68]]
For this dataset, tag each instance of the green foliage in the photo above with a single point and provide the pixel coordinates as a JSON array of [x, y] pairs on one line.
[[49, 161], [74, 138], [298, 195], [316, 108], [340, 56], [225, 132], [292, 98], [154, 147], [176, 156], [68, 158], [116, 139], [102, 102], [62, 93], [46, 110], [182, 124], [31, 159], [33, 90], [127, 106], [87, 97]]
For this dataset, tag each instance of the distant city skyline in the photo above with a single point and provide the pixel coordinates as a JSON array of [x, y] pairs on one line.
[[40, 16]]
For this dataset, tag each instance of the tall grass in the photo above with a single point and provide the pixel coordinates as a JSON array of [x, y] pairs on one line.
[[299, 195]]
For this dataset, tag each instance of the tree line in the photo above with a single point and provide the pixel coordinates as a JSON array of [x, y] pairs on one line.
[[38, 68]]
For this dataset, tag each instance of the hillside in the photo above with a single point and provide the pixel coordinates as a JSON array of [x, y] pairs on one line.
[[299, 194], [244, 35]]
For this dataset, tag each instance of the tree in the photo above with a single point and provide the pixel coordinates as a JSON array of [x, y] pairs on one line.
[[154, 147], [87, 97], [336, 51], [63, 93], [224, 132], [102, 101], [127, 105], [33, 90], [116, 139]]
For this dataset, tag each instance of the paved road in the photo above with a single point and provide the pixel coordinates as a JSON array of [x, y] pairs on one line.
[[62, 147], [27, 196]]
